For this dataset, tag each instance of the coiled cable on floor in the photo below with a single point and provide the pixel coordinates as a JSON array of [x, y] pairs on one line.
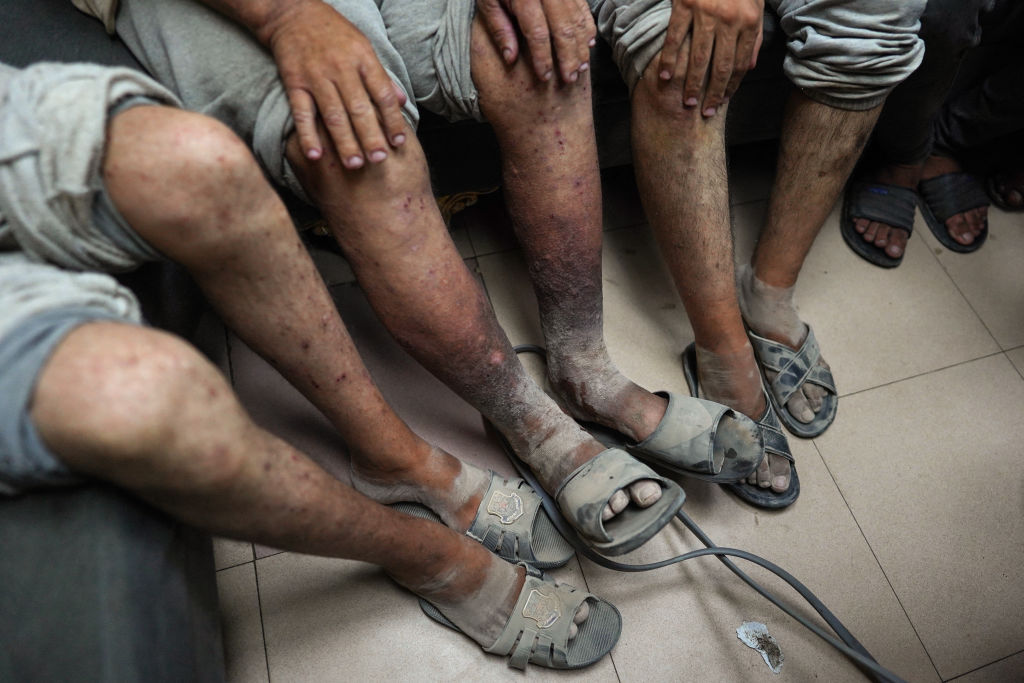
[[846, 643]]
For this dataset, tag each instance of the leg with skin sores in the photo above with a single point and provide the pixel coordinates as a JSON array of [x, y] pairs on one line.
[[553, 190], [387, 223], [145, 411], [214, 213]]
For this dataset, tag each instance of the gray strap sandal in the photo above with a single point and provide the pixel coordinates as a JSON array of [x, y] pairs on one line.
[[537, 631], [511, 523], [696, 438], [584, 494], [796, 368]]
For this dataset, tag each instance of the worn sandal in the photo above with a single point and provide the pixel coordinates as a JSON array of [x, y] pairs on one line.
[[695, 438], [796, 368], [881, 202], [511, 523], [537, 631], [775, 443], [947, 195]]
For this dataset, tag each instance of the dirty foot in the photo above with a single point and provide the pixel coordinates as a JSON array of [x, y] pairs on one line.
[[1006, 189], [475, 591], [963, 227], [733, 379], [892, 239]]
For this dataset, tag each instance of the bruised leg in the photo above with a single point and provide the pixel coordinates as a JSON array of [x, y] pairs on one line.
[[388, 225], [213, 212], [553, 191], [145, 411]]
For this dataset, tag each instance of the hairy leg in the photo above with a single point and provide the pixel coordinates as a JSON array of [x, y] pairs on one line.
[[388, 225], [145, 411], [553, 191], [214, 213], [681, 173], [817, 151]]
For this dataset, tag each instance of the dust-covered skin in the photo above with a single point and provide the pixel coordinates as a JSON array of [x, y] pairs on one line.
[[147, 412], [681, 173], [553, 193]]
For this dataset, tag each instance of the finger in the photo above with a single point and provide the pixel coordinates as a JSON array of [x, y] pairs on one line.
[[336, 120], [701, 44], [563, 28], [304, 114], [586, 34], [745, 56], [500, 27], [721, 71], [590, 28], [758, 42], [675, 36], [363, 117], [388, 99], [533, 24]]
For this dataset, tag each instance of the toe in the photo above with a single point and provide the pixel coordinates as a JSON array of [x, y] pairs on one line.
[[976, 220], [764, 473], [799, 408], [645, 493], [872, 229], [780, 473], [616, 504], [815, 396], [897, 243], [959, 230], [582, 613], [860, 225], [882, 235]]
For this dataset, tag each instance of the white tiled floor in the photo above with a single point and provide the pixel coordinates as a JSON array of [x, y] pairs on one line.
[[910, 525]]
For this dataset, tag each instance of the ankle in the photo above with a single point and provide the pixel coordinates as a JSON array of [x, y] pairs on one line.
[[768, 309]]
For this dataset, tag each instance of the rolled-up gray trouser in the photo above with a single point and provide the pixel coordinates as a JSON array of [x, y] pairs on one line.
[[846, 54], [217, 68]]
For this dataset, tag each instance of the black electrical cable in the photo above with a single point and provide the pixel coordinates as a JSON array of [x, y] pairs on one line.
[[848, 644]]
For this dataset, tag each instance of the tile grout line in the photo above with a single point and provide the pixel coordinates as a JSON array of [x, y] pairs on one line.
[[259, 605], [927, 372], [983, 666], [877, 560]]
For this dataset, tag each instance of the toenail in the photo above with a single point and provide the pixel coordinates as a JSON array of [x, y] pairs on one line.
[[779, 482]]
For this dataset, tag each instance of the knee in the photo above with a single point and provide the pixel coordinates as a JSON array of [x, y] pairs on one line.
[[952, 26], [116, 397]]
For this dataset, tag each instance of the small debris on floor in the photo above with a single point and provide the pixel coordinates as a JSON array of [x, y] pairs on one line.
[[755, 635]]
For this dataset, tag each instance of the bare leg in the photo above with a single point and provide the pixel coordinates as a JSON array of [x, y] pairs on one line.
[[681, 173], [214, 213], [189, 448], [553, 189], [387, 223], [819, 146]]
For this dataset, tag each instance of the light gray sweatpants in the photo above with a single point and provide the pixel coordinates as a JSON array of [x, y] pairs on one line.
[[846, 54]]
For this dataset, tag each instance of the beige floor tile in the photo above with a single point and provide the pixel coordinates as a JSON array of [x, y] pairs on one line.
[[877, 326], [486, 225], [1003, 671], [334, 620], [990, 278], [931, 469], [681, 621], [245, 659], [228, 552], [1016, 357]]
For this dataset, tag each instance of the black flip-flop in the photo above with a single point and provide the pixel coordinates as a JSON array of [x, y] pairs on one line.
[[881, 202], [947, 195]]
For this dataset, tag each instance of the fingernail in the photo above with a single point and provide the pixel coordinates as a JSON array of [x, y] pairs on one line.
[[506, 54], [573, 77], [593, 42], [546, 76], [398, 139], [313, 154], [584, 66], [665, 75], [354, 162], [378, 155], [691, 102], [710, 111]]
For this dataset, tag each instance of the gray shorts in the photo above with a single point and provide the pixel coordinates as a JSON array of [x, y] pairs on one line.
[[846, 54], [56, 224], [219, 69]]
